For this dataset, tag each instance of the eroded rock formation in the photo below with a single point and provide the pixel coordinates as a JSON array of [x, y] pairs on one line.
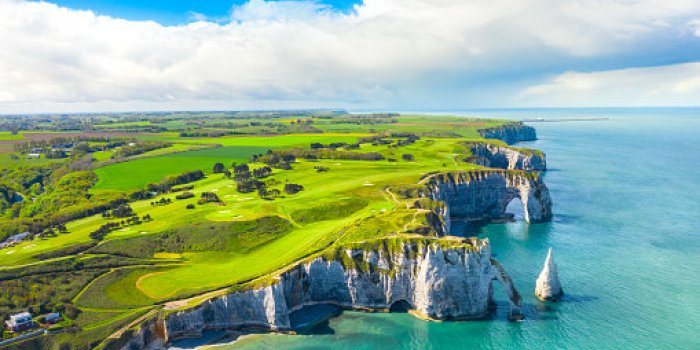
[[510, 133], [445, 279], [548, 287], [496, 156], [484, 195]]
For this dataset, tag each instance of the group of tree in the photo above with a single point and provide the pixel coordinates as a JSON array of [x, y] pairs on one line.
[[182, 188], [321, 169], [139, 147], [40, 294], [246, 180], [122, 211], [272, 194], [166, 184], [52, 194], [105, 229], [208, 197], [335, 145], [164, 201], [80, 144], [325, 153], [409, 140], [368, 119], [275, 160], [206, 133], [402, 139], [262, 172]]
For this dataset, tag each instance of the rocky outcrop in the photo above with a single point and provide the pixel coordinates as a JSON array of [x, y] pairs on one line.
[[442, 279], [501, 157], [485, 195], [510, 133], [548, 287]]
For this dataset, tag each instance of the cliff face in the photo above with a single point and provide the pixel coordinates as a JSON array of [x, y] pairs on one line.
[[439, 279], [483, 195], [495, 156], [510, 133]]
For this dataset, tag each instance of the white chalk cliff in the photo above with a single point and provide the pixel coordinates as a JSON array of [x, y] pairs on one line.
[[441, 279], [500, 157], [548, 286], [482, 195], [510, 133]]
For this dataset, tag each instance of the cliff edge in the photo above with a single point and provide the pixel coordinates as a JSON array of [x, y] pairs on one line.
[[439, 279]]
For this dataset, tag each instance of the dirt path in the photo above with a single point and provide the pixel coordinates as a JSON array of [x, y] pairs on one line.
[[121, 331]]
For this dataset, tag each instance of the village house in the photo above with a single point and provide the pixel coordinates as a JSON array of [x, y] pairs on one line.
[[53, 317], [20, 322], [13, 240]]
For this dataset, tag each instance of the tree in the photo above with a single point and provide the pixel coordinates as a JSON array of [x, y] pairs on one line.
[[407, 157], [219, 168], [292, 188]]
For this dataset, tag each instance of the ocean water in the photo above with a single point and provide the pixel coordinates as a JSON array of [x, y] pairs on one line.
[[625, 234]]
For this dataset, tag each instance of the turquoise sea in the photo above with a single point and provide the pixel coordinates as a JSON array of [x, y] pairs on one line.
[[625, 234]]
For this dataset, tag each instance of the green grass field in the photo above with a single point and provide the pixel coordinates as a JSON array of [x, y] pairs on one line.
[[8, 136], [138, 173]]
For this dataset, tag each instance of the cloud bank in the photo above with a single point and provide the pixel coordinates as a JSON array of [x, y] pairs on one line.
[[385, 54]]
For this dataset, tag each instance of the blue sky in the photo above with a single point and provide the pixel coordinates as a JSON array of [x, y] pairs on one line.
[[172, 12], [76, 55]]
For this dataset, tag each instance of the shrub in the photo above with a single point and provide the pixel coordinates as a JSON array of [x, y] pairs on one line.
[[185, 195]]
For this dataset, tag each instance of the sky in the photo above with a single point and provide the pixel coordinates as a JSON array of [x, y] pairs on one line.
[[100, 55]]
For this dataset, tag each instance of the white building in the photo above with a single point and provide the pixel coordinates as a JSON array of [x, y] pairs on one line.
[[20, 322]]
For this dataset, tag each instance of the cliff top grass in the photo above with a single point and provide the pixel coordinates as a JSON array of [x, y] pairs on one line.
[[243, 240], [499, 143]]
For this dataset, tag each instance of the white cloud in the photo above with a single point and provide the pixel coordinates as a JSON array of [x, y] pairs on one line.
[[695, 26], [386, 53], [673, 85]]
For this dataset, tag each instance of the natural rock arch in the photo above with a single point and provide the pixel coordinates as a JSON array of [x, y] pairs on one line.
[[483, 195]]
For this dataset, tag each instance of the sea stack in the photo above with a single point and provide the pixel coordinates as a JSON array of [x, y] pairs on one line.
[[548, 287]]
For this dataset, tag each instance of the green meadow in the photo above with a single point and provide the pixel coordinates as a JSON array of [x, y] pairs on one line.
[[7, 136], [138, 173]]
